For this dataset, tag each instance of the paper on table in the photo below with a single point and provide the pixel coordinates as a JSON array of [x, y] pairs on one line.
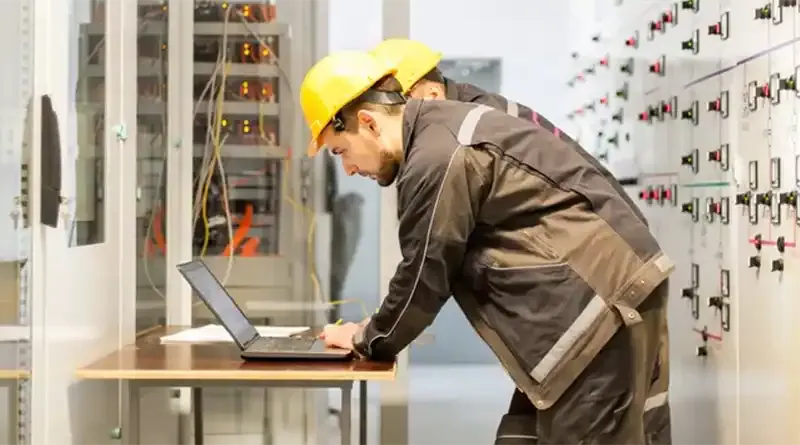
[[212, 333]]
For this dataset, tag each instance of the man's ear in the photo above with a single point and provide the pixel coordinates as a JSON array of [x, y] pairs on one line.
[[366, 118]]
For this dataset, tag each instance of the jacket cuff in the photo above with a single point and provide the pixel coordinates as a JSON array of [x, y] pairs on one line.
[[360, 346]]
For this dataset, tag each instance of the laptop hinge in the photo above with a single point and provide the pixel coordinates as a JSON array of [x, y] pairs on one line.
[[251, 341]]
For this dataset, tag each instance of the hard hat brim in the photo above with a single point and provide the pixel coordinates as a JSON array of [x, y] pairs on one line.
[[313, 148]]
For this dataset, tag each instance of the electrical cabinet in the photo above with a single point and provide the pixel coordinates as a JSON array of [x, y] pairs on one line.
[[711, 95]]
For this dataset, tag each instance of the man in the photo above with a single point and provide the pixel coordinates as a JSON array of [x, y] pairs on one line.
[[551, 266], [416, 66], [417, 69]]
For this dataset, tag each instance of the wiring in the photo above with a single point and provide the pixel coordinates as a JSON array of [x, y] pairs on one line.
[[310, 257]]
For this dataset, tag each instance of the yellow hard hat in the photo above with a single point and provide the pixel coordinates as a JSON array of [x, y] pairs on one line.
[[410, 58], [332, 83]]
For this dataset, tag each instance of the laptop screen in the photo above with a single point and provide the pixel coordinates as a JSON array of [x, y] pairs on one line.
[[209, 289]]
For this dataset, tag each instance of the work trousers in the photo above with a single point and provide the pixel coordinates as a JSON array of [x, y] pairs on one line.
[[620, 399]]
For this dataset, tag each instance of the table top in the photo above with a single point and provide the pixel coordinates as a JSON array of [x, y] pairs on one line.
[[149, 359]]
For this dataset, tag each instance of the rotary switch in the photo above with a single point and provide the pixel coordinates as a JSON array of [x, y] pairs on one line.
[[687, 114], [627, 68], [788, 83], [687, 160], [617, 117], [764, 199], [656, 68], [763, 91], [714, 208], [701, 351], [754, 262], [788, 198], [614, 140], [715, 302], [668, 17], [777, 265], [715, 105], [763, 13], [622, 93], [715, 29], [632, 42], [743, 198], [689, 4], [687, 207], [655, 25], [666, 108], [687, 45], [645, 115]]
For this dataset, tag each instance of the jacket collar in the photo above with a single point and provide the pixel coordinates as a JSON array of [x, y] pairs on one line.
[[410, 116], [450, 89]]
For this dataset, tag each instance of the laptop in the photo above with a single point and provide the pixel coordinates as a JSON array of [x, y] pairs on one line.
[[251, 343]]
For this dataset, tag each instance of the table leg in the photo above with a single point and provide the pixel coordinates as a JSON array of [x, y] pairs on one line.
[[130, 415], [362, 412], [347, 414], [197, 412]]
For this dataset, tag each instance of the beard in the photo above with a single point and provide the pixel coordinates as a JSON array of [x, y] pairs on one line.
[[390, 165]]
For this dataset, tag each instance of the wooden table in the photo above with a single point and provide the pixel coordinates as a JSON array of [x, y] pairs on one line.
[[148, 362]]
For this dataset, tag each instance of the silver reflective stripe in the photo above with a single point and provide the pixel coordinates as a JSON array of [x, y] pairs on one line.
[[655, 401], [424, 249], [470, 123], [516, 436], [512, 108], [590, 313]]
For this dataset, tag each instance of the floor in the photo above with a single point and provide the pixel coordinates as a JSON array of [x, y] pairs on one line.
[[457, 404]]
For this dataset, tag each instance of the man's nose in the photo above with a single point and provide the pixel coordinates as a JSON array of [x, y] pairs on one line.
[[350, 169]]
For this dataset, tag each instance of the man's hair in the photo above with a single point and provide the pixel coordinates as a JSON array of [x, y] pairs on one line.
[[433, 75], [387, 84]]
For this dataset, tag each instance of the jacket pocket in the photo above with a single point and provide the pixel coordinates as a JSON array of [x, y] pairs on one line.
[[539, 311]]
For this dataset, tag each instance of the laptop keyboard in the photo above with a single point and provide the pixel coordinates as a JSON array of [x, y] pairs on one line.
[[285, 344]]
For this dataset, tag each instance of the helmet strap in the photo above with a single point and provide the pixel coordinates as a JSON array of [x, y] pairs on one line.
[[371, 96]]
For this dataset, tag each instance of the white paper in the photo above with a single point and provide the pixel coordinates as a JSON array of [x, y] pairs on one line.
[[213, 333]]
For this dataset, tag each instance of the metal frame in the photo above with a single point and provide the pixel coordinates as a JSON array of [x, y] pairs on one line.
[[393, 395], [131, 398]]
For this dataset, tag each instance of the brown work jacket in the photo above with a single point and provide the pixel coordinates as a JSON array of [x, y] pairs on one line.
[[539, 249], [465, 92]]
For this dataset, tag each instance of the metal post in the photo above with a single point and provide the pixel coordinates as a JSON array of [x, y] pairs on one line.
[[347, 414], [362, 412], [130, 415]]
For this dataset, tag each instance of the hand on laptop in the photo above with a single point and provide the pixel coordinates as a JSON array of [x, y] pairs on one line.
[[340, 335]]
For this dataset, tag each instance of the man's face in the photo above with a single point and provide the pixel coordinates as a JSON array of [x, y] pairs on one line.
[[363, 151]]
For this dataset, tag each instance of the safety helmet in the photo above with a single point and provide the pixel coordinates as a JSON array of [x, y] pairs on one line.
[[334, 82], [411, 59]]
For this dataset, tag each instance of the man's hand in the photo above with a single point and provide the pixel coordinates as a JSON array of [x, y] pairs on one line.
[[340, 336]]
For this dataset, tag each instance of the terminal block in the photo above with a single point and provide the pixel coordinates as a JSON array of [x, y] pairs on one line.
[[692, 44], [659, 66], [775, 87], [721, 27], [691, 160], [777, 265], [720, 105], [756, 91], [720, 156], [788, 199], [691, 114]]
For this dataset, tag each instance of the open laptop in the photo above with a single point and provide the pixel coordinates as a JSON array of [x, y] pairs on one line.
[[253, 345]]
